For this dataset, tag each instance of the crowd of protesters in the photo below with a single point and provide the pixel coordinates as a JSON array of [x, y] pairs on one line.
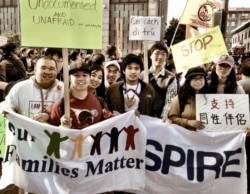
[[105, 85]]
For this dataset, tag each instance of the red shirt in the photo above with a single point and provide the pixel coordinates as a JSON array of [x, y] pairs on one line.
[[83, 112]]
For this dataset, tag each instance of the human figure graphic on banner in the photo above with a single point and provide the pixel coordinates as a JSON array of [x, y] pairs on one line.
[[78, 141], [54, 144], [114, 137], [96, 145], [130, 142]]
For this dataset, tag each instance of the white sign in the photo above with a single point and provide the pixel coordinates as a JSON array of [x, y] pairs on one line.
[[223, 112], [3, 40], [145, 28]]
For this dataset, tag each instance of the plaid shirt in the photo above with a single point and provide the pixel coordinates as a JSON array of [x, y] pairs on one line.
[[171, 89]]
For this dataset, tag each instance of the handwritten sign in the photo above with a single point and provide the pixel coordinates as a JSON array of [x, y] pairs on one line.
[[2, 135], [144, 28], [223, 112], [61, 23], [201, 49], [3, 40]]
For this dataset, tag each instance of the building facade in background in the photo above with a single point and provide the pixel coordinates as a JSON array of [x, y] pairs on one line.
[[235, 18], [241, 39]]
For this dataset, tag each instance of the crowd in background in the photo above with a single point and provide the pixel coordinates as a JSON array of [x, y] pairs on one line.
[[105, 85]]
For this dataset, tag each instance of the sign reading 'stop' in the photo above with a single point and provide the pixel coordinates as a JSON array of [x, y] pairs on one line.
[[61, 23]]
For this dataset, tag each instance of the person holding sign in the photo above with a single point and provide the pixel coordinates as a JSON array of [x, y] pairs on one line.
[[163, 81], [223, 77], [132, 93], [85, 108], [182, 110]]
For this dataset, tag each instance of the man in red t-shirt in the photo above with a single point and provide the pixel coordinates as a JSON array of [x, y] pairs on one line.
[[85, 108]]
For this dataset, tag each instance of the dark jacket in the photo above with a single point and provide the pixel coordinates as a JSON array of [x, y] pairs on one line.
[[115, 99]]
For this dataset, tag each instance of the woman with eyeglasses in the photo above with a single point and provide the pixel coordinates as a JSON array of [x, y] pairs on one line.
[[183, 108]]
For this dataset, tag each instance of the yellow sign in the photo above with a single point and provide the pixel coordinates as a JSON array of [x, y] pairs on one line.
[[2, 135], [61, 23], [204, 48]]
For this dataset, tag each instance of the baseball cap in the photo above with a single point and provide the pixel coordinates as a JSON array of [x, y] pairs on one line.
[[113, 62], [74, 67], [227, 59]]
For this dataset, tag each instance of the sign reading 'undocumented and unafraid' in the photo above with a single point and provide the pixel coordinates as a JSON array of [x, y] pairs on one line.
[[61, 23]]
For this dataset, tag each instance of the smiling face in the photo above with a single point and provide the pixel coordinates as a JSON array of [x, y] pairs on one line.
[[112, 74], [158, 58], [132, 73], [96, 79], [45, 72], [197, 82], [80, 80]]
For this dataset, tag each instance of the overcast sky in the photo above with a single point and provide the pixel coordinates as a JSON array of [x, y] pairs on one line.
[[175, 10]]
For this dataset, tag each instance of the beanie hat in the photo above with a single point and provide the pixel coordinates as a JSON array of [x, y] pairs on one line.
[[196, 71], [114, 63], [74, 67]]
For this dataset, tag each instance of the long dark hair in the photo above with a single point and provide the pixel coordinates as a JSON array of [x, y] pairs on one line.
[[100, 91], [186, 92], [231, 83]]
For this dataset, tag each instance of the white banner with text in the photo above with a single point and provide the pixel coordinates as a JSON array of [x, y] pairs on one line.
[[138, 155]]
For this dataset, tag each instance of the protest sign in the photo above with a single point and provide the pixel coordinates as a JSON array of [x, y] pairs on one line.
[[144, 28], [2, 135], [138, 155], [199, 13], [204, 48], [61, 23], [223, 112]]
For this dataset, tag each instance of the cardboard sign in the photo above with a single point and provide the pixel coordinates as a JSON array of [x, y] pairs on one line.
[[144, 28], [204, 48], [61, 23], [199, 13], [223, 112], [2, 135]]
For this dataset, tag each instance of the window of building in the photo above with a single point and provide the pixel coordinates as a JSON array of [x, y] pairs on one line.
[[249, 33], [232, 15], [233, 23], [6, 3]]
